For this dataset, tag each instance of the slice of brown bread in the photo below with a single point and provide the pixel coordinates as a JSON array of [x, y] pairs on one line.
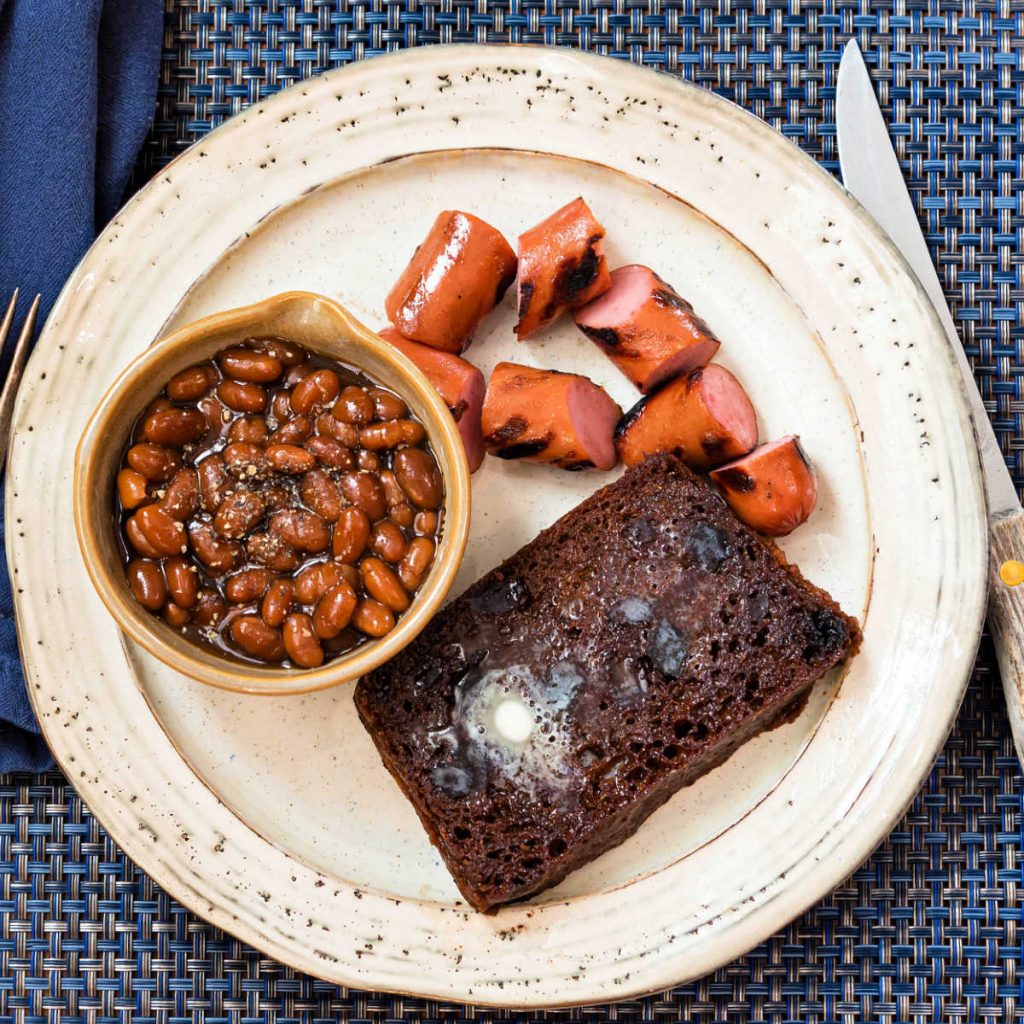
[[630, 648]]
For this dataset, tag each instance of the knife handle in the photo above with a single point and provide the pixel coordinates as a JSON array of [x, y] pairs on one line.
[[1006, 614]]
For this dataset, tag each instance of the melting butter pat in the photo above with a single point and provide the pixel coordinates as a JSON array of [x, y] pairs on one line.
[[513, 720]]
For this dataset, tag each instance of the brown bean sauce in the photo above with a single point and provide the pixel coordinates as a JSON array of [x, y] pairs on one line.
[[270, 499]]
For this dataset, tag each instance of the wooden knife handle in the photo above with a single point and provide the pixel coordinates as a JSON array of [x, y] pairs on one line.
[[1006, 614]]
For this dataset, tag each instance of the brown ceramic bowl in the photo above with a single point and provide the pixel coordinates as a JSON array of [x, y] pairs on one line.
[[323, 327]]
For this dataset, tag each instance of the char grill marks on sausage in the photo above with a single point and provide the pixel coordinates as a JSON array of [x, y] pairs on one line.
[[548, 416], [646, 328], [561, 266]]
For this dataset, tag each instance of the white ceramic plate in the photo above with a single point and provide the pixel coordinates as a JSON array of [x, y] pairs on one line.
[[274, 818]]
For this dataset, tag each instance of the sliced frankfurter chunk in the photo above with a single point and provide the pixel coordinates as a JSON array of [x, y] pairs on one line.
[[458, 382], [455, 278], [549, 416], [773, 489], [647, 328], [561, 266], [705, 416]]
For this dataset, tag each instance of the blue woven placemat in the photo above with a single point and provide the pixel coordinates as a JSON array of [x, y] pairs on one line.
[[929, 929]]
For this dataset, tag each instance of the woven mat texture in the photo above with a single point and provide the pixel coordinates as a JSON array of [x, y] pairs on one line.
[[929, 928]]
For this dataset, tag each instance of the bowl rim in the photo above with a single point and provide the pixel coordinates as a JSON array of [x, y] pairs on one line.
[[133, 620]]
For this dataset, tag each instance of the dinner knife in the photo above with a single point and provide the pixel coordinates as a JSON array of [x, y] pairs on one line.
[[872, 175]]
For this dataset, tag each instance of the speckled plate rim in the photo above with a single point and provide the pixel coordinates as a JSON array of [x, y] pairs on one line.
[[643, 936]]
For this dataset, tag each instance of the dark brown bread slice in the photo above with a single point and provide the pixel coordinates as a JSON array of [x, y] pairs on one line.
[[642, 638]]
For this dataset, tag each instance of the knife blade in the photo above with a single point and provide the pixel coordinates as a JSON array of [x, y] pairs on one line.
[[871, 173]]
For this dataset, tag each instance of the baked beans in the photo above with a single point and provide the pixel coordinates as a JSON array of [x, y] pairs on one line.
[[276, 506]]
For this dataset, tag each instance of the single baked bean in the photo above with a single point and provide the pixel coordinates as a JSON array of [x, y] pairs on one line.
[[295, 431], [210, 608], [334, 611], [383, 584], [219, 556], [412, 432], [351, 534], [247, 586], [350, 574], [192, 383], [252, 367], [281, 406], [153, 461], [287, 353], [174, 427], [213, 482], [402, 515], [182, 581], [320, 493], [147, 584], [181, 498], [290, 458], [256, 638], [165, 534], [409, 579], [312, 583], [373, 618], [131, 488], [296, 374], [157, 405], [245, 461], [303, 530], [139, 434], [370, 461], [242, 397], [248, 430], [415, 562], [218, 415], [387, 405], [239, 513], [365, 491], [316, 391], [393, 493], [300, 641], [388, 541], [329, 452], [393, 434], [175, 616], [277, 496], [354, 406], [138, 540], [425, 524], [277, 602], [271, 550], [346, 433], [419, 477]]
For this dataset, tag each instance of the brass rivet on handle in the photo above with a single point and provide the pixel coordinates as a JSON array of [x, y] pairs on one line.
[[1011, 572]]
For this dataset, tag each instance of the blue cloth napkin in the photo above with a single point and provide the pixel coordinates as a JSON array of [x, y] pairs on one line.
[[78, 81]]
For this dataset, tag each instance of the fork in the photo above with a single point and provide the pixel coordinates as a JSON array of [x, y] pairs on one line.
[[17, 368]]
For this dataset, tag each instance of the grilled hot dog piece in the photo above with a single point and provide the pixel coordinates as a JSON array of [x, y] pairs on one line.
[[646, 328], [548, 416], [705, 416], [459, 383], [455, 278], [773, 489], [561, 266]]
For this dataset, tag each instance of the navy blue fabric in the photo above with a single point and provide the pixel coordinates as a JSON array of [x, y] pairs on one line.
[[78, 82]]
